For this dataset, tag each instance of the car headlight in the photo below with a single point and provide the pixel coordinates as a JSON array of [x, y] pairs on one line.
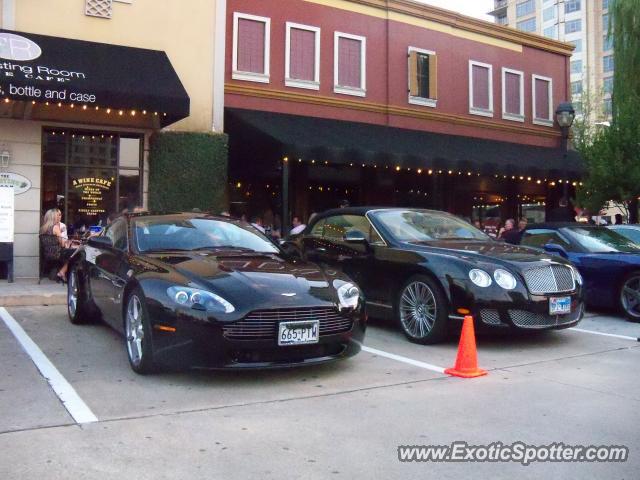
[[505, 279], [480, 277], [577, 277], [348, 295], [190, 297]]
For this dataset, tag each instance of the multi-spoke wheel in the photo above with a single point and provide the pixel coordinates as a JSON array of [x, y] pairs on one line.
[[138, 334], [77, 305], [630, 296], [422, 310]]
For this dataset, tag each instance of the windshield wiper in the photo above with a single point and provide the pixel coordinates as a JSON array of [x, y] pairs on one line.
[[224, 247]]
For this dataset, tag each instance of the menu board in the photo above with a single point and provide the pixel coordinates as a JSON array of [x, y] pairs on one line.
[[7, 208], [92, 191]]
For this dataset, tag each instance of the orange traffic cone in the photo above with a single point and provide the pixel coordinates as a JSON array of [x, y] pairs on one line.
[[467, 359]]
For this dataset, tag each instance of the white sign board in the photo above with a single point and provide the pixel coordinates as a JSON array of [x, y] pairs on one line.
[[7, 209], [19, 183]]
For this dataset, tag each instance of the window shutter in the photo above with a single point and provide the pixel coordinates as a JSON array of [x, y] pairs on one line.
[[433, 76], [251, 38], [413, 74]]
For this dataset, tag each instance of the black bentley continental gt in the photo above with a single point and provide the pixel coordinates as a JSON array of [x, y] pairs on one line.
[[211, 291], [424, 268]]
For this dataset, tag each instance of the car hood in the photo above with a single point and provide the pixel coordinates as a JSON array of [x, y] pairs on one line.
[[258, 280], [486, 250]]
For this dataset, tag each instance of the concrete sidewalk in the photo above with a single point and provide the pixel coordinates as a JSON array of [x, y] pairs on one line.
[[27, 292]]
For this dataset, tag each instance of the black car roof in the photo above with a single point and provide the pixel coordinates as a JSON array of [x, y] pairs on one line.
[[365, 210], [136, 215], [557, 225]]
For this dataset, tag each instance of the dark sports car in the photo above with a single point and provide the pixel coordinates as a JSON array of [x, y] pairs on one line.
[[212, 291], [424, 267], [608, 261]]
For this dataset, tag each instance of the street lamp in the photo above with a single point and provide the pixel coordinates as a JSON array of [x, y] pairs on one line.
[[565, 115]]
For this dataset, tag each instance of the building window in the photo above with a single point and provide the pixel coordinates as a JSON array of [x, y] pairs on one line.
[[480, 89], [576, 66], [608, 85], [542, 88], [573, 26], [527, 25], [423, 77], [607, 63], [577, 44], [605, 4], [605, 22], [512, 95], [525, 8], [502, 20], [576, 88], [302, 57], [572, 6], [608, 106], [549, 13], [251, 39], [607, 43], [551, 32], [349, 64]]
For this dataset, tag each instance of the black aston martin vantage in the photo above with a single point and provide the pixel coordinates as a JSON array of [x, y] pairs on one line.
[[424, 268], [211, 291]]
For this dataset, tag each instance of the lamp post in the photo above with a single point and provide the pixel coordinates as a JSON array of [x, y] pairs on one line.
[[565, 115]]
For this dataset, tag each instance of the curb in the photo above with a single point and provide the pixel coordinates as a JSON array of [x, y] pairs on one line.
[[33, 300]]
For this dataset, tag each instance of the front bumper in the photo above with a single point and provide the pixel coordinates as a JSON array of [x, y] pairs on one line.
[[200, 342], [529, 315]]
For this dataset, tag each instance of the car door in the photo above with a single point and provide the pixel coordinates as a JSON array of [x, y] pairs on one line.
[[109, 278]]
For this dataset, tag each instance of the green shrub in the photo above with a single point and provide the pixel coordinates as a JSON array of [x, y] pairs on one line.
[[188, 170]]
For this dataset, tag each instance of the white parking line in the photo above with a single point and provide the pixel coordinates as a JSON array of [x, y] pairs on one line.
[[398, 358], [65, 392], [624, 337]]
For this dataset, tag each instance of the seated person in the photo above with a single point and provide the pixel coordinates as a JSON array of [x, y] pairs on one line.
[[61, 249]]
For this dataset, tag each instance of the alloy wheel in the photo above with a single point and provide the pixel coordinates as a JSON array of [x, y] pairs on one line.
[[630, 296], [72, 293], [418, 309], [134, 329]]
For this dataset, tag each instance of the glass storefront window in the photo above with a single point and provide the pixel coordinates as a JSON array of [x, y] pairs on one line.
[[81, 175]]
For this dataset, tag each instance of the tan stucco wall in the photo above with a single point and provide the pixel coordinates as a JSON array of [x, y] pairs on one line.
[[184, 29]]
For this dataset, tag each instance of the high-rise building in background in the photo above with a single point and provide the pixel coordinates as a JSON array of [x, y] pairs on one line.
[[583, 23]]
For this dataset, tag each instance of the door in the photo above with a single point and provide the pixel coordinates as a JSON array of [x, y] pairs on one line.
[[109, 278]]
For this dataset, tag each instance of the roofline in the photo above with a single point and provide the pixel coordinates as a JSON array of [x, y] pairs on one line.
[[464, 22]]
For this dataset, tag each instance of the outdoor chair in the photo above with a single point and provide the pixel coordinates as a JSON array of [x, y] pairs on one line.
[[49, 256]]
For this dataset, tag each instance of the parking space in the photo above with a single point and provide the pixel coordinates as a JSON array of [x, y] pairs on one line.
[[342, 419]]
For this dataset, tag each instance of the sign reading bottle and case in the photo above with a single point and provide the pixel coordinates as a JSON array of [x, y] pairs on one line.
[[7, 208]]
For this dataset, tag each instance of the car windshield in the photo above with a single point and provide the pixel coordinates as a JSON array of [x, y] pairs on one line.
[[423, 226], [175, 233], [602, 240]]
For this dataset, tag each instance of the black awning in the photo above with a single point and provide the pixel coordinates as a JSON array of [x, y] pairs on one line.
[[349, 142], [44, 69]]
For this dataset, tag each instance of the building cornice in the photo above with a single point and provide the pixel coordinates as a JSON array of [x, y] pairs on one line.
[[462, 22], [448, 118]]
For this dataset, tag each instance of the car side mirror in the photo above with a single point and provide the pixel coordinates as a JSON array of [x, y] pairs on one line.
[[555, 249], [100, 242], [355, 236], [290, 249]]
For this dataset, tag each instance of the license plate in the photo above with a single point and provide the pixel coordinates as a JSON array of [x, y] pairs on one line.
[[559, 305], [298, 333]]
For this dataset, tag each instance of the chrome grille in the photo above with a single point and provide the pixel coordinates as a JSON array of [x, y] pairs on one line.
[[525, 319], [490, 317], [263, 324], [551, 279]]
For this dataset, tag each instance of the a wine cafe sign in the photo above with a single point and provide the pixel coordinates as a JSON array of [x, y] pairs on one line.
[[19, 183]]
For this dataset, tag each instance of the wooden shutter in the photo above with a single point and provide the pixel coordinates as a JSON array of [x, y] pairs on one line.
[[413, 74], [433, 77]]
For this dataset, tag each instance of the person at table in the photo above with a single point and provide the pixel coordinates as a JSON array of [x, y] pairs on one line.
[[63, 249]]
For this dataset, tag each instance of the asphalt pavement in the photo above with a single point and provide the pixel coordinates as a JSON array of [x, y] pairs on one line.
[[341, 420]]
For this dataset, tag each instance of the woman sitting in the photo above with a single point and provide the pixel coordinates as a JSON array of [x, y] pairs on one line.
[[57, 246]]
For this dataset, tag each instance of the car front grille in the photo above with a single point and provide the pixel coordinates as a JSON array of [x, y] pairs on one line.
[[263, 324], [490, 317], [550, 279], [525, 319]]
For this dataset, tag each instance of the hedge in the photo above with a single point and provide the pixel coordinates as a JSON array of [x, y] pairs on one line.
[[188, 170]]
